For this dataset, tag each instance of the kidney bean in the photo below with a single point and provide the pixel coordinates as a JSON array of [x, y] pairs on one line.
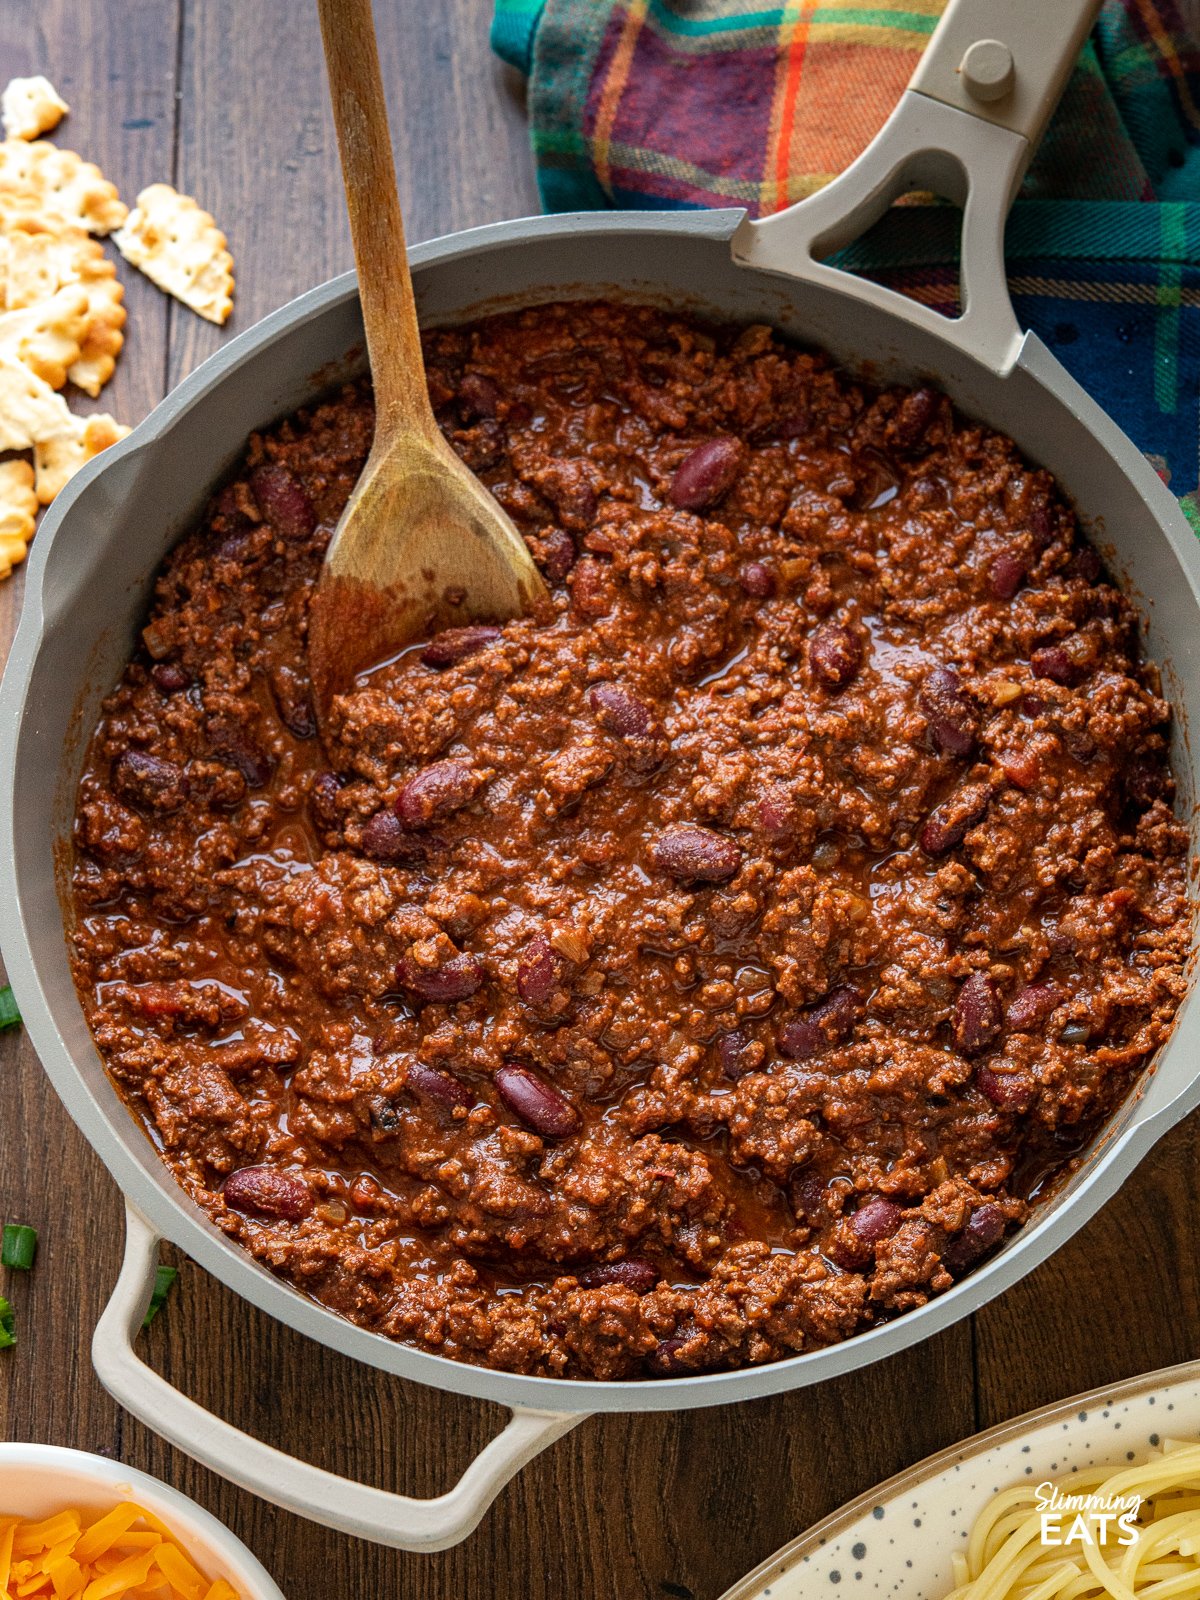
[[290, 690], [170, 677], [456, 979], [739, 1054], [757, 579], [1085, 563], [665, 1357], [456, 644], [829, 1022], [708, 473], [835, 654], [953, 720], [268, 1192], [856, 1237], [478, 396], [232, 745], [978, 1019], [443, 1088], [984, 1228], [1011, 1091], [808, 1193], [1006, 574], [385, 838], [948, 824], [282, 501], [436, 791], [620, 712], [558, 554], [1055, 662], [151, 782], [536, 1102], [876, 1219], [695, 854], [1031, 1006], [591, 587], [914, 418], [234, 546], [631, 1273], [322, 800], [540, 972]]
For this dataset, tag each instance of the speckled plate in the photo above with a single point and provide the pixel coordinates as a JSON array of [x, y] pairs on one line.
[[898, 1539]]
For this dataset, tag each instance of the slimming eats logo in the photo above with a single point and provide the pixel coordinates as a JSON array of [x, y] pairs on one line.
[[1087, 1519]]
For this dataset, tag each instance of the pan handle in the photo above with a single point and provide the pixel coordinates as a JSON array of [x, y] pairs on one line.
[[356, 1508], [966, 127]]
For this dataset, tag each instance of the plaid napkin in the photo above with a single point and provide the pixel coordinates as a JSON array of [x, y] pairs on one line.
[[685, 103]]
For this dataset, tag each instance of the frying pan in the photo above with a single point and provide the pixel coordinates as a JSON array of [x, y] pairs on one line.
[[93, 565]]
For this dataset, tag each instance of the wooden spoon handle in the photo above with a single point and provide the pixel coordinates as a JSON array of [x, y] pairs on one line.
[[376, 225]]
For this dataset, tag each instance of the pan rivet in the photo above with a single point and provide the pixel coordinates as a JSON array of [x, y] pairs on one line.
[[987, 70]]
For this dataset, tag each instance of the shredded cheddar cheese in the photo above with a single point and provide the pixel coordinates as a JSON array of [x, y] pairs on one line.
[[124, 1554]]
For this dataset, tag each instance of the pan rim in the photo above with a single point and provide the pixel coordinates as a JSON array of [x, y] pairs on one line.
[[148, 1185]]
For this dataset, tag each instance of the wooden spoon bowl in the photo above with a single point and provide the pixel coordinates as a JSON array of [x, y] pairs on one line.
[[421, 545]]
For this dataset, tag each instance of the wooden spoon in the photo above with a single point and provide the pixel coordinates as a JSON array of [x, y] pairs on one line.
[[422, 544]]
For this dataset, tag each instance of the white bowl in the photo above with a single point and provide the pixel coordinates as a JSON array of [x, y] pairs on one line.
[[898, 1539], [37, 1479]]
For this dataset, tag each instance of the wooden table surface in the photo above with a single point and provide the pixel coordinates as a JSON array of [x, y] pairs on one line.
[[226, 99]]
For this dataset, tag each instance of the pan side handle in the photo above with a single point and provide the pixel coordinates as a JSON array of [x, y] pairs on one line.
[[355, 1508], [966, 127]]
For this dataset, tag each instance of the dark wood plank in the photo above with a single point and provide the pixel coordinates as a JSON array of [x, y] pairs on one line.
[[1120, 1298], [115, 66], [257, 146]]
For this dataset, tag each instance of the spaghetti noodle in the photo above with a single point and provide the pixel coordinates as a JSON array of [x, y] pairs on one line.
[[1132, 1534]]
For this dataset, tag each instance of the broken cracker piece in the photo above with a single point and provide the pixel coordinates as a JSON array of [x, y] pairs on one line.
[[47, 337], [39, 180], [180, 248], [59, 456], [102, 338], [40, 258], [18, 510], [36, 263], [31, 106], [29, 408]]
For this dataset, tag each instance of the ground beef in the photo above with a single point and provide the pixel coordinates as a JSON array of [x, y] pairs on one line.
[[693, 975]]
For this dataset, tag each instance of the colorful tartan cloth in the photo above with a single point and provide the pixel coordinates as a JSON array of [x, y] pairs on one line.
[[684, 103]]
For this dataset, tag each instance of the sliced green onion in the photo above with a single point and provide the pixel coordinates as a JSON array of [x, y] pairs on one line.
[[10, 1017], [7, 1337], [164, 1278], [18, 1246]]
